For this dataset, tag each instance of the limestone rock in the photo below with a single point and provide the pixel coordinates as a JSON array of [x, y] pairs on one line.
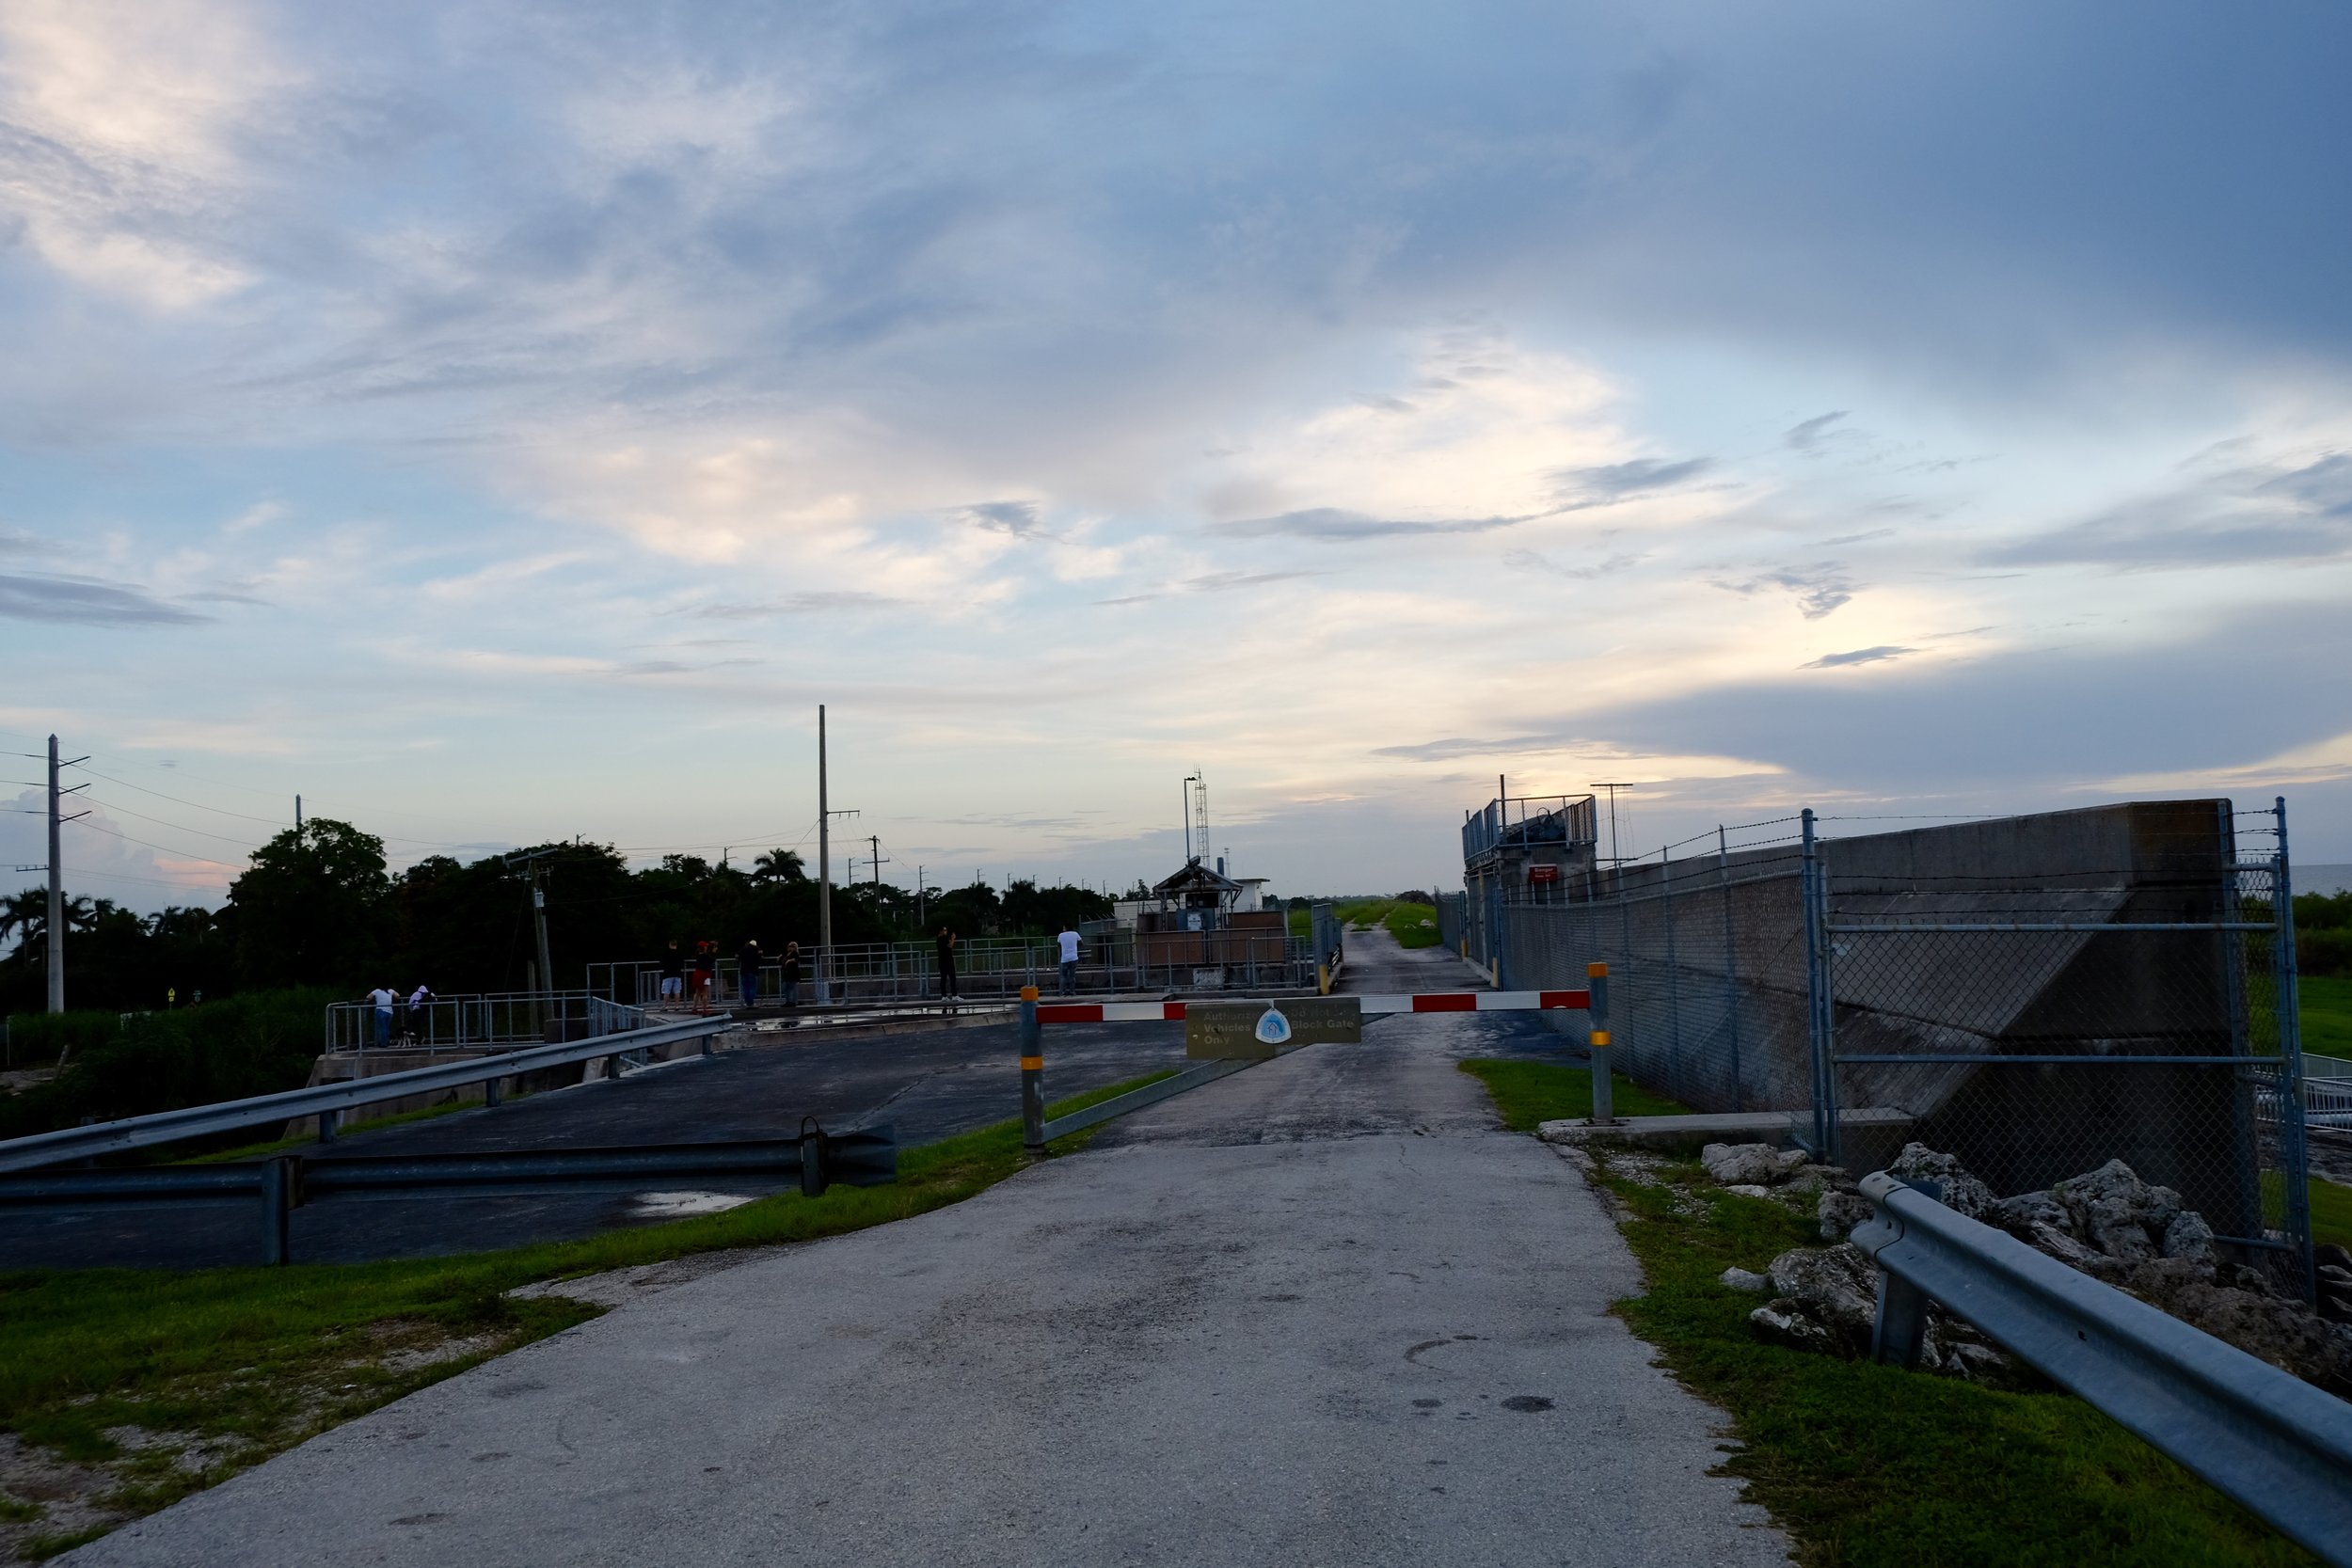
[[1747, 1280], [2116, 1212], [1784, 1323], [2188, 1236], [1749, 1190], [1963, 1193], [1836, 1286], [1749, 1164], [1839, 1213]]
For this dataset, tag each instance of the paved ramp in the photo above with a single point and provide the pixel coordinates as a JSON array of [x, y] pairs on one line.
[[1321, 1312]]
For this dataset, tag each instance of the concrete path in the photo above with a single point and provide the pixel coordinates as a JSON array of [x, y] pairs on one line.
[[1320, 1312]]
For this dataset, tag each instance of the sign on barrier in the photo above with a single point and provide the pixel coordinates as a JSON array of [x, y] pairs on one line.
[[1254, 1031]]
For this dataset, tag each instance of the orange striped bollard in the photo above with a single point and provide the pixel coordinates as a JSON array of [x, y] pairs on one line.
[[1032, 1076], [1597, 1010]]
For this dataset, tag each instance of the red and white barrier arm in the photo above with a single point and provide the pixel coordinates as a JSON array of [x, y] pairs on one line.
[[1422, 1002], [1110, 1012], [1474, 1002]]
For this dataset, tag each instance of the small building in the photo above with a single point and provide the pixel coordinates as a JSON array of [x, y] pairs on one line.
[[1203, 918]]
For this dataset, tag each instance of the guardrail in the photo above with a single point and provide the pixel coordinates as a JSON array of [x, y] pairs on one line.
[[2271, 1441], [328, 1100], [288, 1182]]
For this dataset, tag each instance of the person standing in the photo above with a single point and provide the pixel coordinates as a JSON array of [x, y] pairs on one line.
[[945, 943], [747, 961], [673, 974], [791, 968], [419, 1013], [385, 998], [1068, 940], [698, 984]]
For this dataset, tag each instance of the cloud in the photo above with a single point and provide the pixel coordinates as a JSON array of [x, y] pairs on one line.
[[1819, 590], [824, 602], [1578, 489], [1808, 435], [2285, 510], [1532, 560], [1330, 523], [88, 602], [1018, 518], [1858, 656], [1211, 582]]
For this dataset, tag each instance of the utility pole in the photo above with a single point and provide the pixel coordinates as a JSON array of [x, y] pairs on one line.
[[56, 876], [539, 914], [824, 870], [919, 897], [876, 865], [298, 822]]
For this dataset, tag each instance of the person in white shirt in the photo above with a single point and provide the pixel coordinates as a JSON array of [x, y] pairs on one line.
[[1068, 940], [386, 999], [420, 1003]]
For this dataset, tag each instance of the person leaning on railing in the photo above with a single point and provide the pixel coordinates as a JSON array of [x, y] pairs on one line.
[[790, 969]]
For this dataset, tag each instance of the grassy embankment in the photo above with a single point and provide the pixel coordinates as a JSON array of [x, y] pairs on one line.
[[133, 1369], [1414, 924], [2325, 1009], [1864, 1465]]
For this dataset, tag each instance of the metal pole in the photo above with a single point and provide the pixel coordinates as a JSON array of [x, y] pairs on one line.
[[2294, 1148], [824, 870], [539, 916], [1597, 1012], [1818, 1001], [56, 890], [1032, 1076], [1731, 964]]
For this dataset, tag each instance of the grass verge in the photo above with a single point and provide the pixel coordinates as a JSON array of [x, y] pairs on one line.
[[2331, 1212], [2325, 1006], [168, 1382], [1531, 1093], [1866, 1467]]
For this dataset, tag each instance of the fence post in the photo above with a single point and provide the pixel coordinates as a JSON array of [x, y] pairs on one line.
[[282, 1180], [327, 1125], [1597, 1014], [2294, 1146], [1032, 1077], [1820, 1014], [1731, 964]]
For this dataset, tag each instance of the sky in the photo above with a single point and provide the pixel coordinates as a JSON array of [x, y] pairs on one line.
[[497, 422]]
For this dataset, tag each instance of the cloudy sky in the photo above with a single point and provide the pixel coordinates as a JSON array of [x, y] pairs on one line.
[[500, 421]]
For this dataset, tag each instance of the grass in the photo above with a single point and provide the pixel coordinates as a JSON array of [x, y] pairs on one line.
[[247, 1362], [2326, 1007], [1531, 1093], [1866, 1466], [2331, 1212]]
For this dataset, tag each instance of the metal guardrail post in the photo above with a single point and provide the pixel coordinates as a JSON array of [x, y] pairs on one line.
[[1597, 1010], [1032, 1076], [281, 1183], [328, 1123]]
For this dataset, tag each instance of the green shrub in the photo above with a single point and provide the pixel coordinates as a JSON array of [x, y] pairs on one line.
[[38, 1039], [258, 1043]]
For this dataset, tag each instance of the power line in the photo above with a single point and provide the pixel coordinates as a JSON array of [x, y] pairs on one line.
[[175, 800]]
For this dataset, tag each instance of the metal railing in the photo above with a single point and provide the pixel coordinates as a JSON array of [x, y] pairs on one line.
[[333, 1099], [994, 967], [2274, 1443], [470, 1022], [288, 1182]]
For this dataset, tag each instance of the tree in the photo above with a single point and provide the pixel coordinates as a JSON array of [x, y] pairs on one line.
[[310, 908], [780, 865]]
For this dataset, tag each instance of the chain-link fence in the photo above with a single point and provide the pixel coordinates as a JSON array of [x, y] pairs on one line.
[[2036, 995]]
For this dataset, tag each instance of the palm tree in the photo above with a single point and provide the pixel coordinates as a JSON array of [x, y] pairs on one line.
[[779, 866]]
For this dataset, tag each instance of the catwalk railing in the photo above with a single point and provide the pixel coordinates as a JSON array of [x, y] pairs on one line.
[[997, 967]]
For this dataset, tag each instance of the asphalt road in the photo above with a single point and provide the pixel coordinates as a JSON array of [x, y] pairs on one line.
[[1320, 1312], [930, 1083]]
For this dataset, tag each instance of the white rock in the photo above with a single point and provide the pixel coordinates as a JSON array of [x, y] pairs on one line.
[[1745, 1165], [1747, 1280], [1749, 1189]]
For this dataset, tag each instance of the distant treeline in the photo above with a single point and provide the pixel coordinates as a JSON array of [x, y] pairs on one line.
[[321, 907], [2322, 933]]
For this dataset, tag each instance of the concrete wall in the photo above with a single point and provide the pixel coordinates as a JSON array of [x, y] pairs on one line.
[[1709, 989]]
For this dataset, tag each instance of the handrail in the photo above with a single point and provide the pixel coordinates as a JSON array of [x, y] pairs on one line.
[[196, 1121], [2269, 1440]]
